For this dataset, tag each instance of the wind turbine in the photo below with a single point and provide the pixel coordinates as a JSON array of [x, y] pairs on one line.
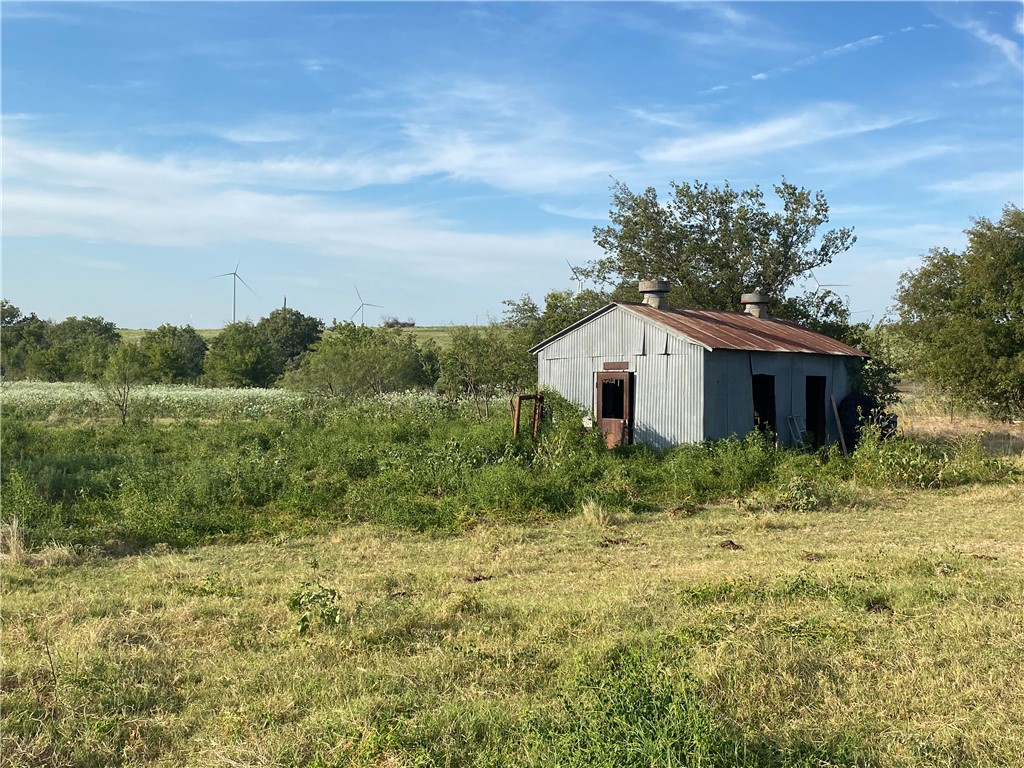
[[871, 319], [360, 309], [576, 276], [234, 286], [818, 286]]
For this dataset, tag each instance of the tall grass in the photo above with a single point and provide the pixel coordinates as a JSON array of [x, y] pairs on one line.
[[243, 469], [839, 627]]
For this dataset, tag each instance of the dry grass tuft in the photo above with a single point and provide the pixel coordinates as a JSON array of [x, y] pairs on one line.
[[594, 515], [12, 545]]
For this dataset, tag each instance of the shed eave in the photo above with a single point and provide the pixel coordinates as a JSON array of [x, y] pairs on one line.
[[757, 336]]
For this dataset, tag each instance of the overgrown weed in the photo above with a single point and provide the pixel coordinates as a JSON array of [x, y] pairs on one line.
[[423, 464]]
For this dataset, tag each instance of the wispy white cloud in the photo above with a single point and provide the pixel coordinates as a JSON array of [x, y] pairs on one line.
[[257, 133], [112, 197], [815, 124], [920, 237], [722, 12], [1011, 182], [578, 212], [831, 53], [711, 26], [1008, 48], [18, 117], [466, 130], [671, 119], [501, 135]]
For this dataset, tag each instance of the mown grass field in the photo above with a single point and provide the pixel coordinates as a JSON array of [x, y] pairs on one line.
[[440, 334], [889, 634], [565, 605], [134, 334]]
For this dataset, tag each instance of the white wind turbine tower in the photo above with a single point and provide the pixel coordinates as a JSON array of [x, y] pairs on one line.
[[360, 309], [576, 276], [235, 278]]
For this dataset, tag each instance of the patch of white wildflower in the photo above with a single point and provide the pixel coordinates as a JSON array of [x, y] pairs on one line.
[[58, 400], [41, 400]]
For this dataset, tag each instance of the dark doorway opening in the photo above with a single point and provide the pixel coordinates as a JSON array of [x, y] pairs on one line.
[[613, 399], [764, 402], [615, 407], [816, 387]]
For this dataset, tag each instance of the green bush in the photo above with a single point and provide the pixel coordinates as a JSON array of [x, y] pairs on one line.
[[638, 707], [922, 463]]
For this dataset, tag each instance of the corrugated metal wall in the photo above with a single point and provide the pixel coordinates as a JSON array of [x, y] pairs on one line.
[[728, 396], [669, 374], [729, 408], [669, 391]]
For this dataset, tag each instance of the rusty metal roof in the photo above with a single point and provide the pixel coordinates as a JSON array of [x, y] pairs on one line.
[[718, 329]]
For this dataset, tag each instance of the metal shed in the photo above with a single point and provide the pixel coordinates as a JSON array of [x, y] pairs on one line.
[[662, 376]]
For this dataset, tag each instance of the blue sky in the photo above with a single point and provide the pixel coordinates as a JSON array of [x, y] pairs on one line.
[[444, 157]]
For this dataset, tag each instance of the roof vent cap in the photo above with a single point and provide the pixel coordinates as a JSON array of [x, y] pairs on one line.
[[755, 304], [654, 292]]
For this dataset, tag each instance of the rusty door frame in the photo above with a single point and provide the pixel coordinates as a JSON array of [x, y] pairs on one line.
[[628, 379]]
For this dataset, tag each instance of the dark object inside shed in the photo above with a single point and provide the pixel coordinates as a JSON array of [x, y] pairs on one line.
[[857, 411], [764, 403]]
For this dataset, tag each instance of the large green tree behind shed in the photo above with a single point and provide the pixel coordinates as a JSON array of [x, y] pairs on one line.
[[963, 314], [715, 243]]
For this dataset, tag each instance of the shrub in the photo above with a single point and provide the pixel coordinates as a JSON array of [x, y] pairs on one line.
[[923, 463], [638, 706]]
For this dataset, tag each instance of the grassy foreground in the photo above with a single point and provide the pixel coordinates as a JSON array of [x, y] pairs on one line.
[[887, 634]]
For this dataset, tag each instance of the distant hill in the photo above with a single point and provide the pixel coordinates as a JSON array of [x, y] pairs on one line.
[[134, 334]]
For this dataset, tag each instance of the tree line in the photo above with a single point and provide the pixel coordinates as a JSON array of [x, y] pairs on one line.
[[286, 348], [959, 319]]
